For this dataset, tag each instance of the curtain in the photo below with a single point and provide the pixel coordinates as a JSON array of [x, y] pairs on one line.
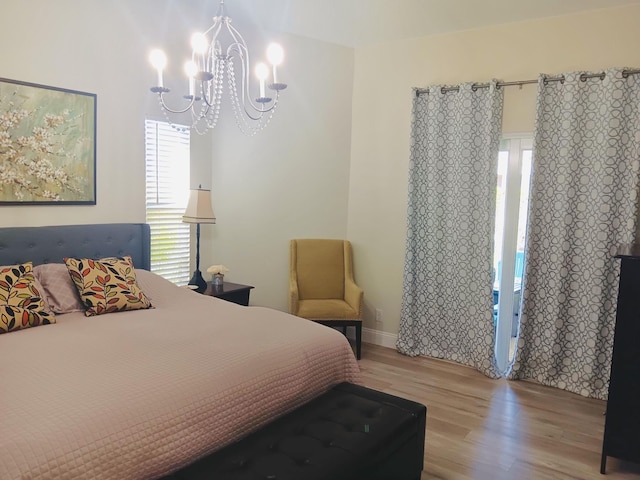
[[447, 307], [583, 205]]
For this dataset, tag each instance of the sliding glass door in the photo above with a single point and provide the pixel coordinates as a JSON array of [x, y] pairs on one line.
[[512, 200]]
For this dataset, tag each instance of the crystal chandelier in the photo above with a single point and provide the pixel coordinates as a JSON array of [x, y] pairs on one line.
[[217, 55]]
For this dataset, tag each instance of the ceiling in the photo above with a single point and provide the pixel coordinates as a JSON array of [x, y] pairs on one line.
[[358, 23]]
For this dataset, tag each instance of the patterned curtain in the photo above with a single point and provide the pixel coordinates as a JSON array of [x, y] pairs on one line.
[[583, 204], [447, 308]]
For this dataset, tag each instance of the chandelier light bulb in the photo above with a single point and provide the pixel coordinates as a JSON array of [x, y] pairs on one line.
[[190, 68], [275, 54], [262, 72], [199, 43], [158, 60]]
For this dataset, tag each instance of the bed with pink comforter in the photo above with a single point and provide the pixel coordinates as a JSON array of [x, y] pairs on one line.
[[139, 394]]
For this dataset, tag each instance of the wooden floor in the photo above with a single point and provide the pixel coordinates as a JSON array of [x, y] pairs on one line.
[[478, 428]]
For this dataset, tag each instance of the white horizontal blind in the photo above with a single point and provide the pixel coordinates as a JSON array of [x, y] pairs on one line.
[[167, 193]]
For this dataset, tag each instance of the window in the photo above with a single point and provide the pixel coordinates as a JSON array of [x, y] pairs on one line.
[[167, 193], [512, 201]]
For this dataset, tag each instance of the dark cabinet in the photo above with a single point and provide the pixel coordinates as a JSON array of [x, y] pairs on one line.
[[622, 424], [231, 292]]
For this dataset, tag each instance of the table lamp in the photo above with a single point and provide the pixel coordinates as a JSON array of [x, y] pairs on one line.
[[199, 210]]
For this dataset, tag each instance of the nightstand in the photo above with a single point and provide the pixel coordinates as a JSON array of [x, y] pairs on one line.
[[231, 292]]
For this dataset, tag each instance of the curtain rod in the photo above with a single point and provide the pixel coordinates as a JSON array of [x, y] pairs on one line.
[[583, 77]]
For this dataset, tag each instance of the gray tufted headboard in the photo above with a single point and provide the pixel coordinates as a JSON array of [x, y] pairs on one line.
[[52, 244]]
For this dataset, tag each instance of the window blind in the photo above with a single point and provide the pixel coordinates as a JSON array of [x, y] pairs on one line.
[[167, 192]]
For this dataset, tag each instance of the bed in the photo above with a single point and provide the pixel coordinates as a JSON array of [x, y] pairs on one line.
[[139, 394]]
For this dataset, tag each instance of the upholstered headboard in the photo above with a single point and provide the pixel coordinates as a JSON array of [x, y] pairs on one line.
[[52, 244]]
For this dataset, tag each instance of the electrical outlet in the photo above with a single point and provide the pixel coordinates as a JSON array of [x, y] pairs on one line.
[[378, 315]]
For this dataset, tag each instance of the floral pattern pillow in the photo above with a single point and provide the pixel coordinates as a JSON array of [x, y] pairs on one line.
[[21, 302], [107, 285]]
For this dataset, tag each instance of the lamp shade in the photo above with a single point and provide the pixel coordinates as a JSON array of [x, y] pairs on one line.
[[199, 209]]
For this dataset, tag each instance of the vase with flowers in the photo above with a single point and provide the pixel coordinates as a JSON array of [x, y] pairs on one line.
[[217, 271]]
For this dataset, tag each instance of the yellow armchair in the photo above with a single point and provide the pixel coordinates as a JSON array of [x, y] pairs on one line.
[[322, 287]]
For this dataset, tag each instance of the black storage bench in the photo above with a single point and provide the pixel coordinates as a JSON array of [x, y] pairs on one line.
[[348, 433]]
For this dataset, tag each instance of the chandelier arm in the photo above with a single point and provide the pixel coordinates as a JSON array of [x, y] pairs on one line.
[[204, 110], [210, 59], [164, 105], [216, 83], [246, 97], [211, 113], [249, 114], [243, 51], [217, 22], [241, 120], [237, 39], [240, 46], [244, 79], [166, 115], [205, 98], [207, 62], [262, 110], [214, 111], [238, 105], [253, 129]]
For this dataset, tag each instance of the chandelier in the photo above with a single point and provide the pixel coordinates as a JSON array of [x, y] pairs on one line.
[[220, 55]]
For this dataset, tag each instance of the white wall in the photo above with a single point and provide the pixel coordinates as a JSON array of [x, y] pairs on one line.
[[384, 76], [289, 181]]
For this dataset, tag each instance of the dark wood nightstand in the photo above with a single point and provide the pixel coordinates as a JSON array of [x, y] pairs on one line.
[[231, 292]]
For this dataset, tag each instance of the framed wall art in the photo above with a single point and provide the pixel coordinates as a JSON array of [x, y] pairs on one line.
[[47, 145]]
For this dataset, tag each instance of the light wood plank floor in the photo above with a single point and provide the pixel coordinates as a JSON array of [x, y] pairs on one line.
[[478, 428]]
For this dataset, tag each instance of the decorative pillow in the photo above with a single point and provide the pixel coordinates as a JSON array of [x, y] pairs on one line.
[[106, 285], [21, 302], [60, 292]]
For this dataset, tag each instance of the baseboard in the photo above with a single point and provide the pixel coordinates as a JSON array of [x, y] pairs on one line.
[[377, 337]]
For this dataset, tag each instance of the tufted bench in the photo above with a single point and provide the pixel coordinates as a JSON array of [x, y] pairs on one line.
[[348, 433]]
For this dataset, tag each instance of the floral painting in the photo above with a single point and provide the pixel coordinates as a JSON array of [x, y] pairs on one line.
[[47, 145]]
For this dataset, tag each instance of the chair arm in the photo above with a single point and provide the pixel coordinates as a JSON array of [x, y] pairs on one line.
[[353, 295], [294, 296]]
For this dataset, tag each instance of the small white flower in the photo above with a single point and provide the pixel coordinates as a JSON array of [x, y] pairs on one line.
[[5, 140], [217, 269]]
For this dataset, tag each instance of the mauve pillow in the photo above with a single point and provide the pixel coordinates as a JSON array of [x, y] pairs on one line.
[[61, 294]]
